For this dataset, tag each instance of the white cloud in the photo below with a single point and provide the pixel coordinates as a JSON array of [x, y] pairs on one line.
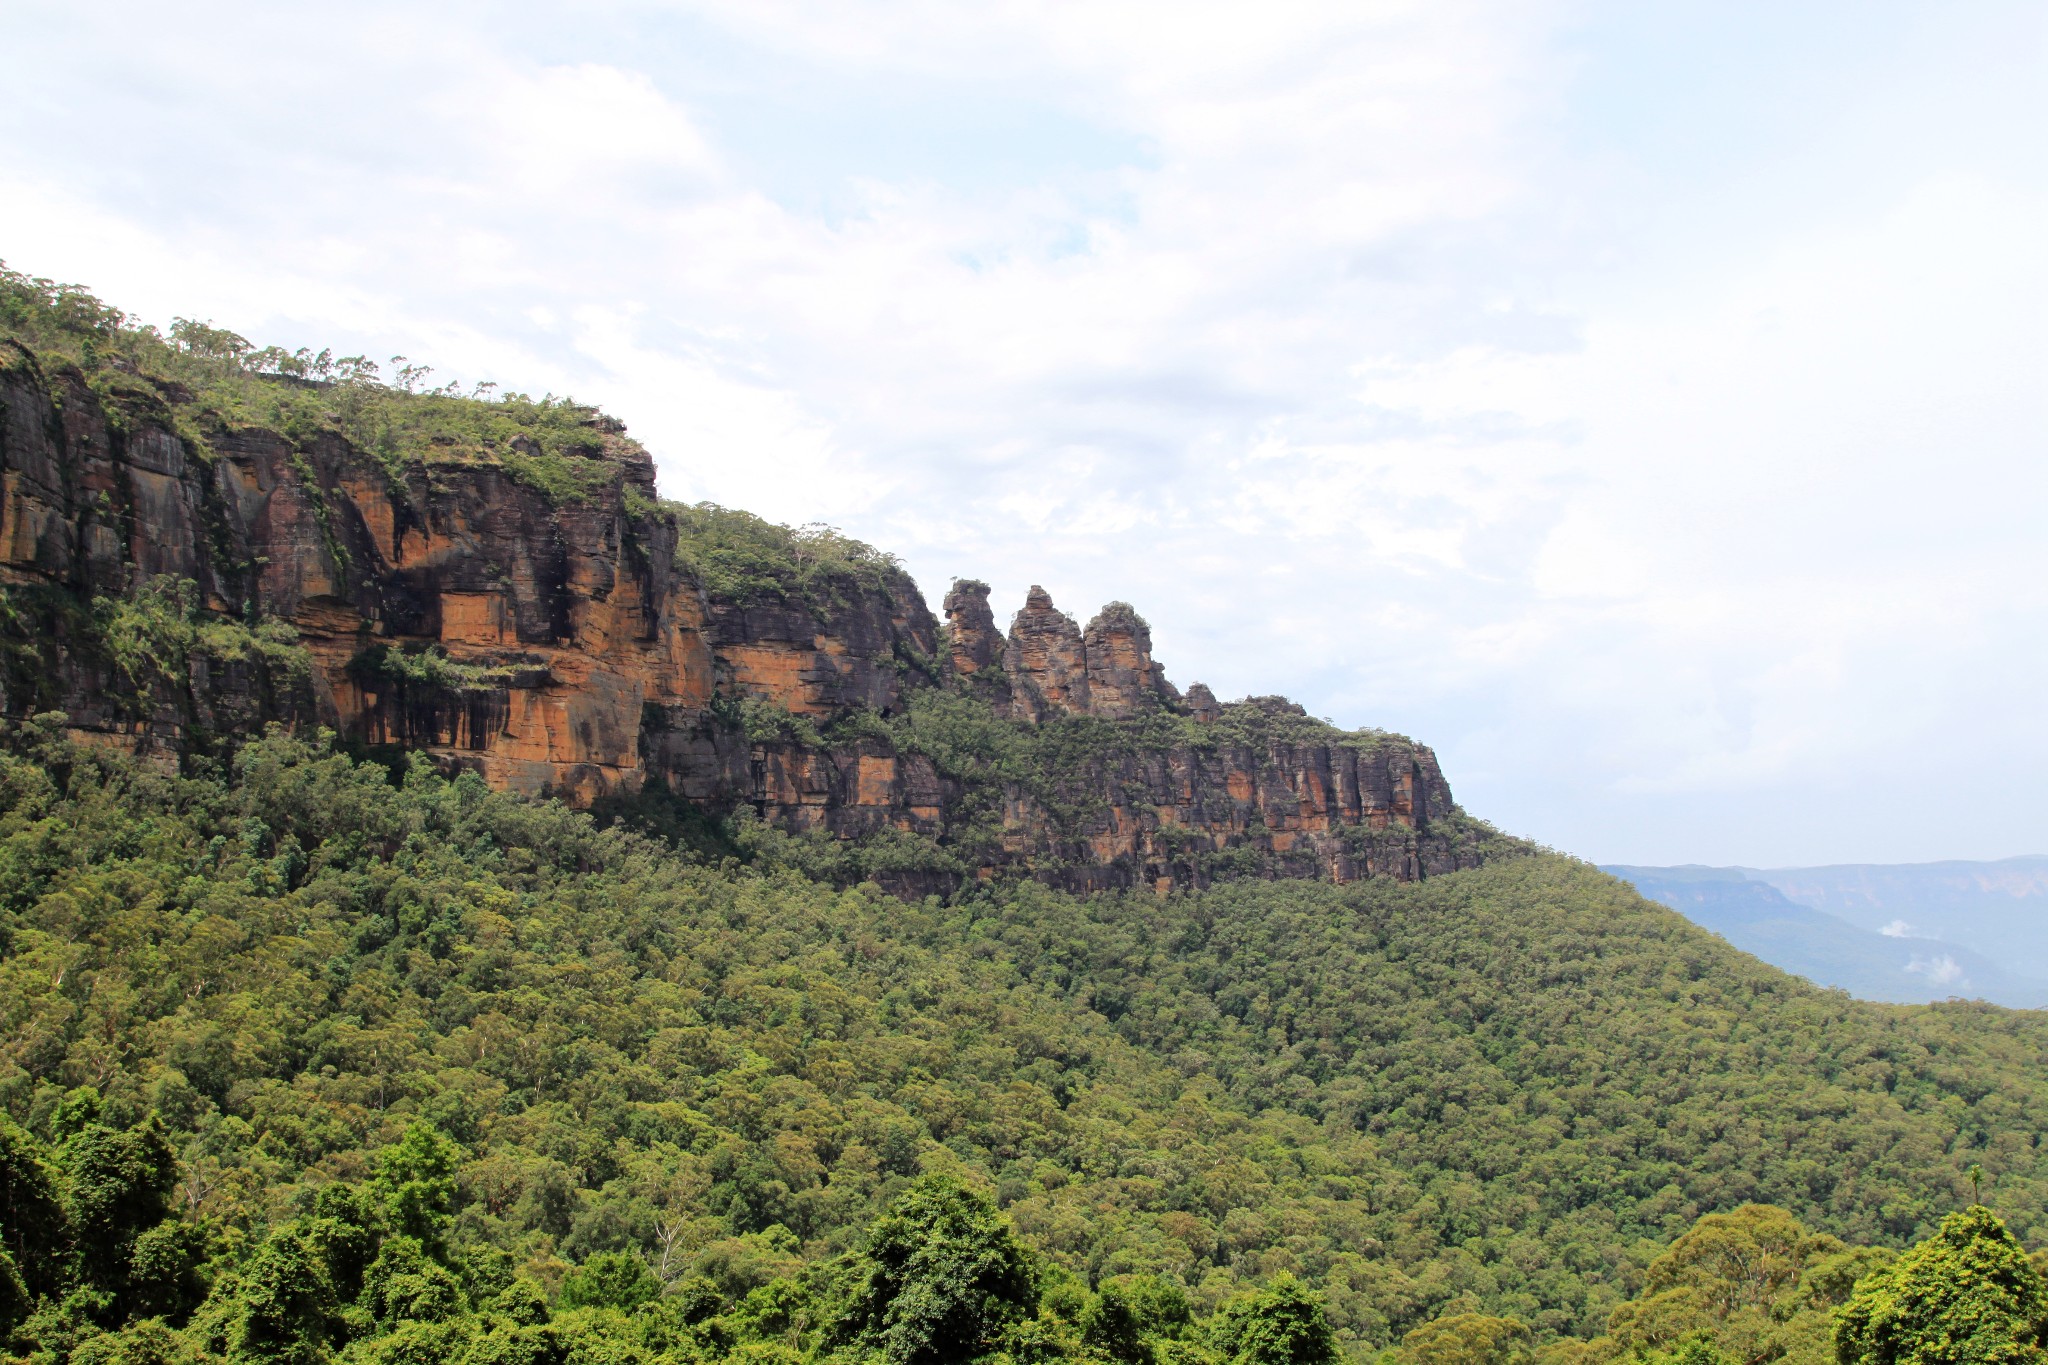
[[1942, 971], [553, 128]]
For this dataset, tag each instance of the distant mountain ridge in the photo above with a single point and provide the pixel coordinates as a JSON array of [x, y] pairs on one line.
[[1907, 933], [2000, 907]]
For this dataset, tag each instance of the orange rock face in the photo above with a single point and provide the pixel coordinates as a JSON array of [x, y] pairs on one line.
[[563, 648], [973, 645], [1123, 681], [558, 624], [1046, 660]]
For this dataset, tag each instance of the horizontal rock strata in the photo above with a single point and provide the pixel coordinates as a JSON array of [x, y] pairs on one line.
[[571, 646]]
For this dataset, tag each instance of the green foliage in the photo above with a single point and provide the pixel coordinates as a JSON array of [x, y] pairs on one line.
[[15, 1301], [155, 634], [1752, 1284], [610, 1279], [1739, 1280], [428, 668], [1698, 1349], [88, 1234], [152, 1341], [158, 648], [1282, 1324], [346, 1231], [887, 856], [207, 375], [763, 722], [1965, 1296], [406, 1284], [1112, 1328], [416, 1176], [744, 560], [1260, 722], [35, 1231], [1467, 1339], [523, 1303], [158, 628], [670, 819], [283, 1303], [415, 1045], [942, 1278], [118, 1186], [1131, 1314]]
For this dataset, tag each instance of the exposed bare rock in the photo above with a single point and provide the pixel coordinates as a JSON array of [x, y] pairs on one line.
[[1202, 704], [973, 644], [1046, 660], [576, 646], [820, 661], [1122, 679]]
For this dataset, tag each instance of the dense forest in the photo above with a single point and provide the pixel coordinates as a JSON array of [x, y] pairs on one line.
[[316, 1052], [303, 1056]]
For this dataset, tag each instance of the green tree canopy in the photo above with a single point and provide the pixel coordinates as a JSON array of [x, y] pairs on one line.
[[1743, 1259], [944, 1275], [35, 1231], [1966, 1296], [1282, 1324], [119, 1187], [610, 1279], [417, 1177], [286, 1303], [1467, 1339], [1129, 1313]]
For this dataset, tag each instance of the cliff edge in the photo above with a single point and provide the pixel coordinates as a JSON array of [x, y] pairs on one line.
[[198, 539]]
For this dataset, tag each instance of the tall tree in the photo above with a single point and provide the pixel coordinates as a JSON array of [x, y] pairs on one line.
[[1282, 1324], [1966, 1296], [417, 1177], [944, 1277], [34, 1229], [1467, 1339], [120, 1183]]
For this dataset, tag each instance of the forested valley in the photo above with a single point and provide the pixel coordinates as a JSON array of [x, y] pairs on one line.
[[310, 1058], [319, 1049]]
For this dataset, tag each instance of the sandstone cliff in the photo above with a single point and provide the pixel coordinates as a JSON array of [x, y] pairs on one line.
[[550, 625]]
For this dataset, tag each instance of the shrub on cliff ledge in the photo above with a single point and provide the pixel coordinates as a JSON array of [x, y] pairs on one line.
[[747, 560], [156, 633], [206, 375], [428, 668]]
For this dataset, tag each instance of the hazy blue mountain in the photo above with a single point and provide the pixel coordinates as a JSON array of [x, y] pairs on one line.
[[1999, 909], [1754, 915]]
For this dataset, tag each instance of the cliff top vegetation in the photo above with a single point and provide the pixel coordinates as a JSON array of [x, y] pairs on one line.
[[201, 377]]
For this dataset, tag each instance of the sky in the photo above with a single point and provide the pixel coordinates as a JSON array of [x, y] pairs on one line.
[[1644, 405]]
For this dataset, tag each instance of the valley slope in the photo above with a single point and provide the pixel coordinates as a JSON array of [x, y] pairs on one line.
[[412, 829], [1500, 1090]]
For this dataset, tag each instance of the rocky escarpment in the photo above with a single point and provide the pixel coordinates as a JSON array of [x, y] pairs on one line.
[[173, 580], [451, 609]]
